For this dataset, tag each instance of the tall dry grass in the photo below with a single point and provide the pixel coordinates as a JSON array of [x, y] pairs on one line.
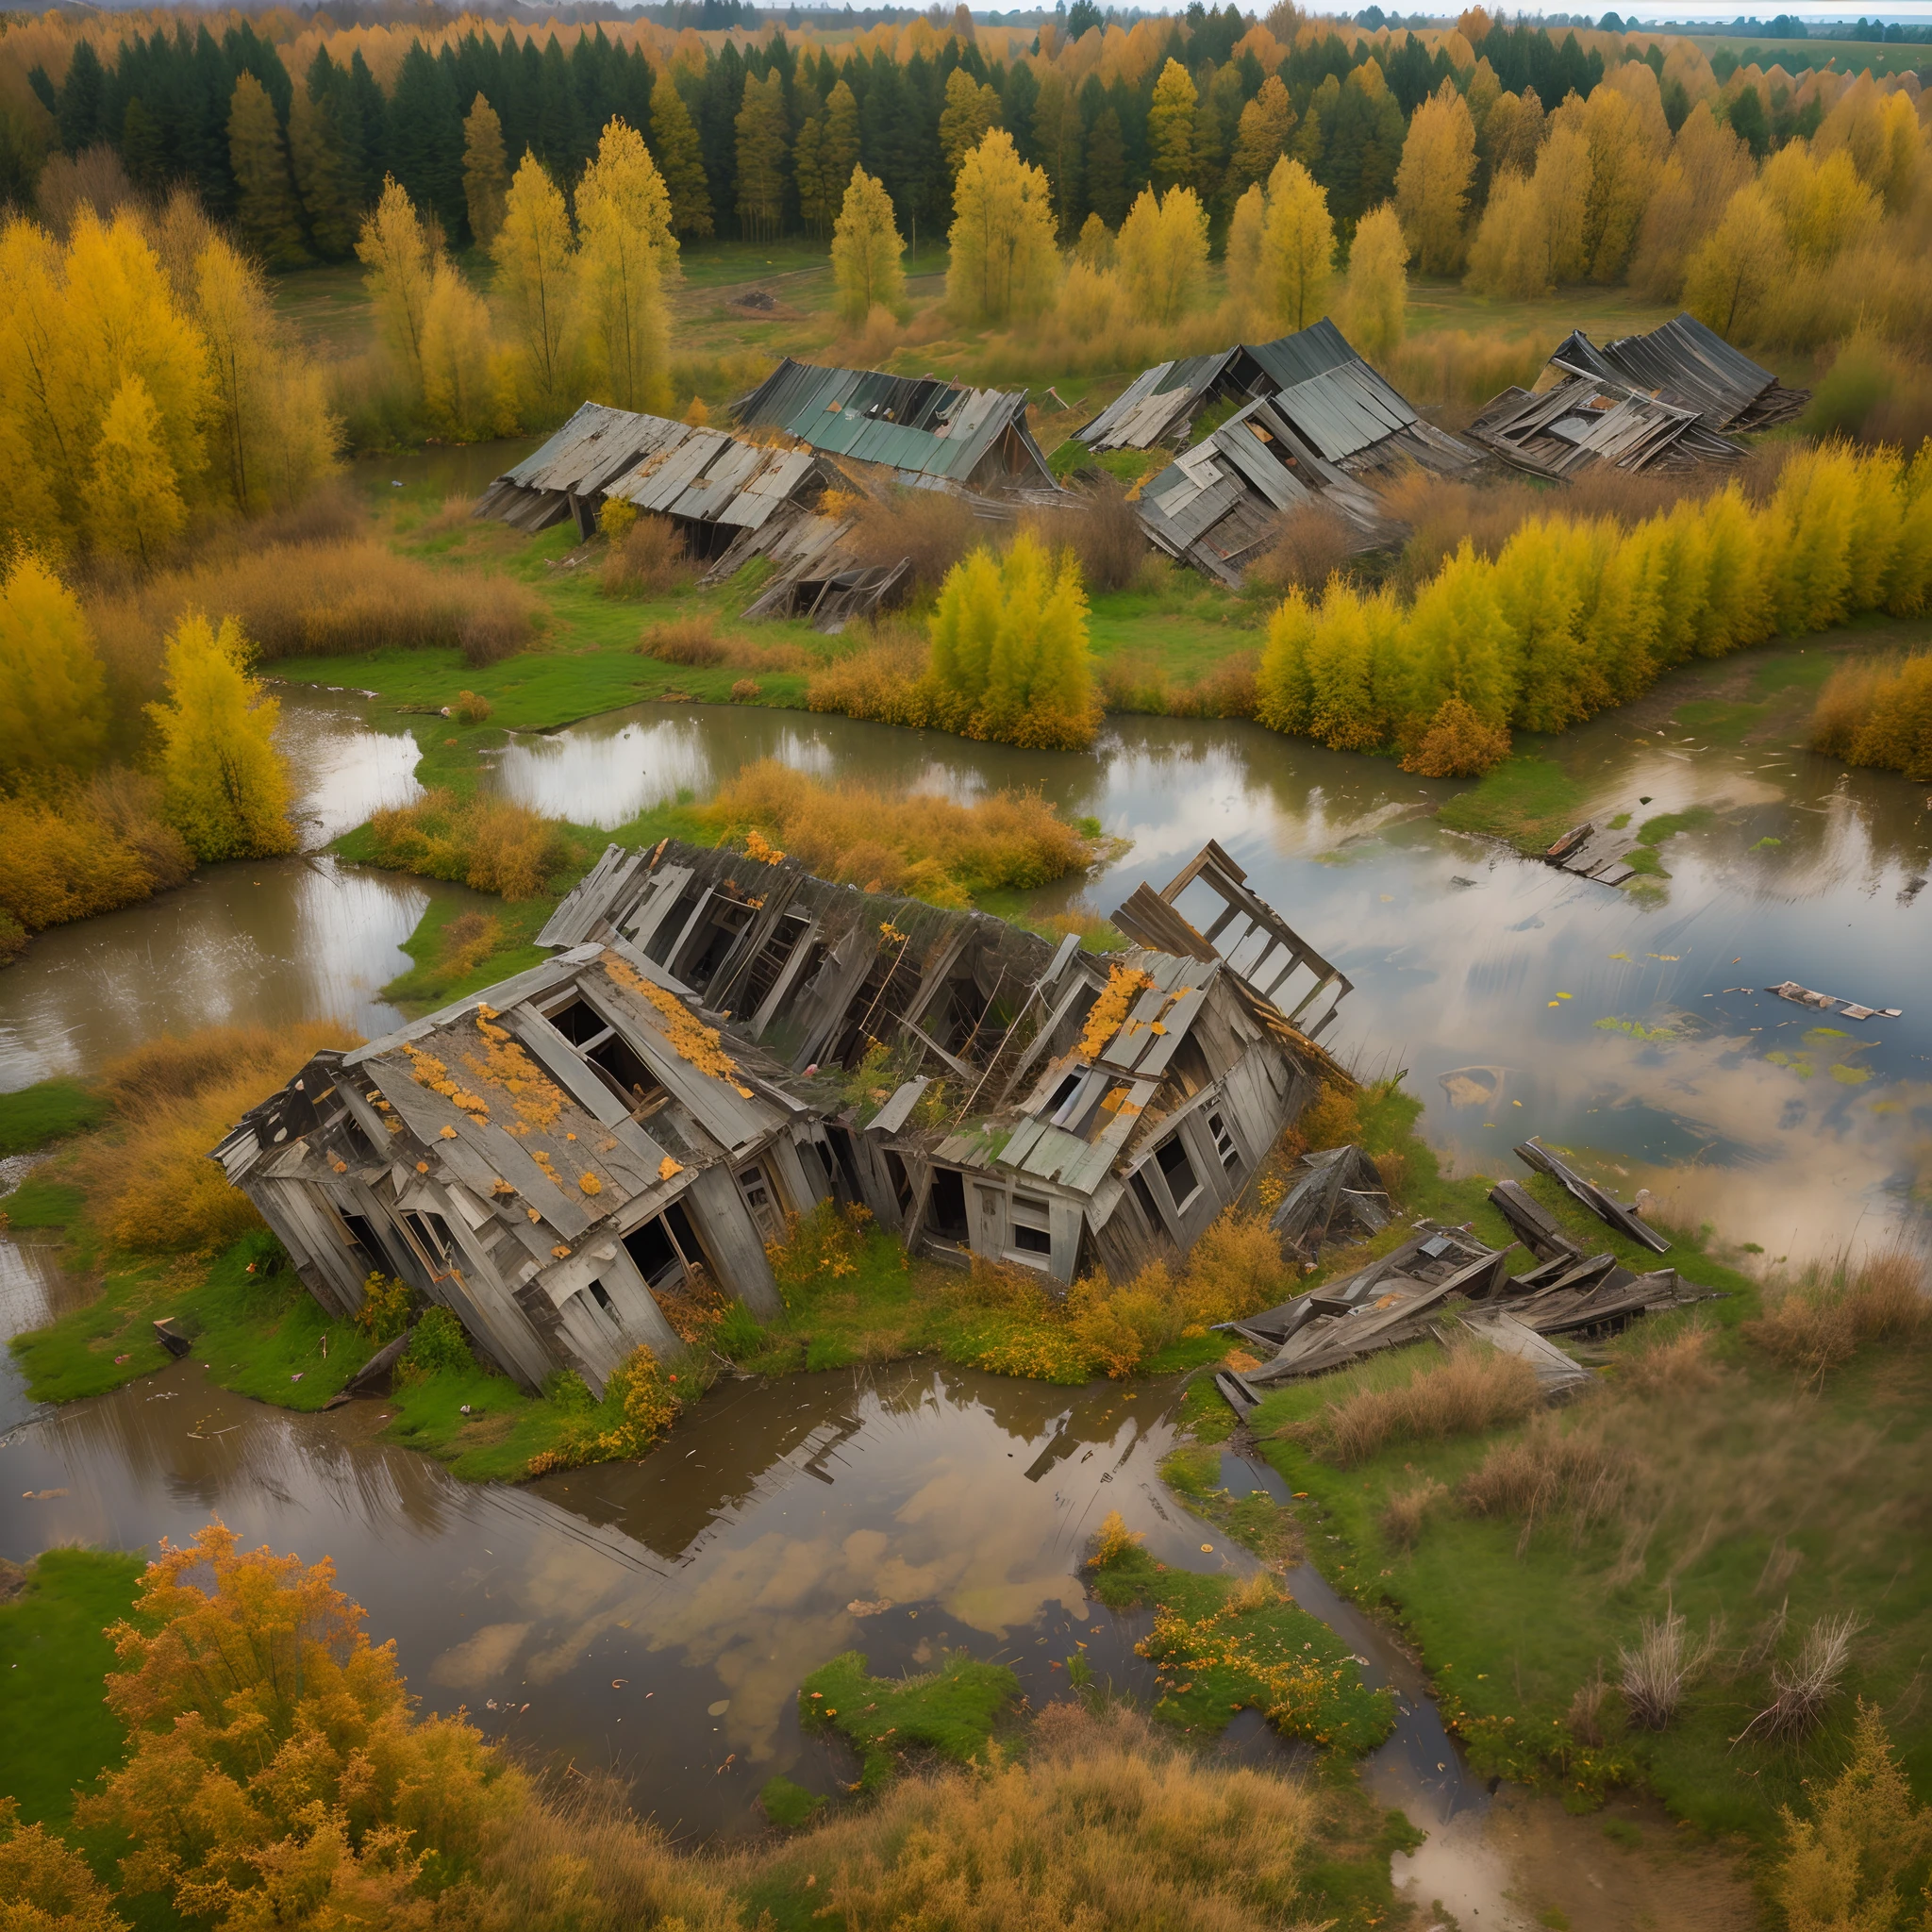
[[1582, 1473], [155, 1188], [645, 558], [491, 844], [1476, 1387], [87, 849], [296, 599], [1878, 714], [1833, 1310], [1102, 528], [933, 527], [696, 640], [1459, 370], [1309, 547], [928, 846], [883, 678], [1105, 1824]]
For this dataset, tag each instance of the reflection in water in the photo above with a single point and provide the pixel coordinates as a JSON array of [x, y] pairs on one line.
[[343, 769], [266, 941], [600, 1613], [1520, 1000]]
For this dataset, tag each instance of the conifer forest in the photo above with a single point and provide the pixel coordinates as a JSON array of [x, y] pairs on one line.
[[964, 968]]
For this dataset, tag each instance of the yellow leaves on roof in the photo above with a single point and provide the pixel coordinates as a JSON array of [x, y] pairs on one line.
[[533, 1214], [427, 1071], [693, 1042], [536, 1098], [561, 1252], [589, 1184], [667, 1169], [447, 1134], [1108, 1014], [501, 1189], [757, 846]]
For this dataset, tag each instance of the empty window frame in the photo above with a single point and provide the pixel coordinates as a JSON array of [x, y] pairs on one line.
[[762, 1197], [1032, 1225], [1143, 1193], [609, 1055], [1179, 1172], [900, 1179], [1224, 1143], [666, 1247], [946, 1214]]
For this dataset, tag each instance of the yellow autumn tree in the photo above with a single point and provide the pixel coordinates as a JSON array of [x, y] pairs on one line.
[[1163, 255], [46, 1885], [395, 248], [225, 786], [275, 1772], [536, 286], [486, 174], [971, 108], [866, 252], [625, 246], [1171, 127], [1432, 182], [1260, 137], [468, 392], [266, 210], [1374, 294], [270, 431], [1004, 264], [1297, 248], [1739, 266], [133, 502], [1246, 228], [52, 694]]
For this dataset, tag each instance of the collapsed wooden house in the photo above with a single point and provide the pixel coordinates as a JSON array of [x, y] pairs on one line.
[[1668, 400], [711, 485], [724, 1041], [916, 431], [1299, 422]]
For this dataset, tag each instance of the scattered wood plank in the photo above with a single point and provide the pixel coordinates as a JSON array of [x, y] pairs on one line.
[[1624, 1220]]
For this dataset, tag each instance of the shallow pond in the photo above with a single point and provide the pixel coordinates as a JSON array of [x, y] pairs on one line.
[[656, 1617]]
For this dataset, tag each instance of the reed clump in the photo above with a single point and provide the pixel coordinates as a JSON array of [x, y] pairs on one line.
[[324, 599], [1835, 1310], [154, 1187], [696, 640], [492, 844], [1549, 1471], [1476, 1387], [931, 847], [1878, 714], [646, 556]]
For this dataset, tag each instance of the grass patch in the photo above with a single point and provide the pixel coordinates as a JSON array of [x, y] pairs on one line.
[[1529, 802], [50, 1110], [461, 950], [789, 1804], [1223, 1646], [1255, 1520], [53, 1660], [951, 1711]]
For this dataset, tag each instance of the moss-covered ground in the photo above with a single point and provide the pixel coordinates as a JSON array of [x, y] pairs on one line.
[[50, 1110], [54, 1660], [951, 1711]]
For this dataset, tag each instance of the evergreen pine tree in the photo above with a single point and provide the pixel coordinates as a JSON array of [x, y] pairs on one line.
[[1107, 169], [83, 98], [266, 210], [486, 180], [680, 162], [323, 174], [841, 143], [143, 148], [370, 111], [426, 139]]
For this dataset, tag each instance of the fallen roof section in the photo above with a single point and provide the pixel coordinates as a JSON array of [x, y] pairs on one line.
[[928, 433], [1659, 401], [713, 485], [1313, 426]]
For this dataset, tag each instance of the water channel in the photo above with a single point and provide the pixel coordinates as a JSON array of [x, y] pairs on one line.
[[659, 1616]]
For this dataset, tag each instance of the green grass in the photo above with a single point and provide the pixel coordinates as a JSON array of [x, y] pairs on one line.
[[789, 1804], [1528, 801], [53, 1659], [951, 1711], [436, 979], [49, 1112], [1211, 1653], [1254, 1519]]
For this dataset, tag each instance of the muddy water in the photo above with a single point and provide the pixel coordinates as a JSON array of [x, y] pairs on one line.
[[657, 1618], [1518, 999]]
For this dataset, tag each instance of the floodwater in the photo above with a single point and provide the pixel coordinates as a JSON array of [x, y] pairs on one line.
[[1520, 1000], [656, 1617]]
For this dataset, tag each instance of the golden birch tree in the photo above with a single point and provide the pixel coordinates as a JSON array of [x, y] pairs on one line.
[[866, 252], [536, 286], [1432, 182], [394, 249], [1297, 248], [1163, 255], [53, 692], [1004, 264], [625, 238], [675, 148], [1374, 294], [1171, 127], [486, 175]]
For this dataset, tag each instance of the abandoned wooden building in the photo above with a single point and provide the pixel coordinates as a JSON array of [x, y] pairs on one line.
[[1668, 400], [1312, 426], [916, 431], [723, 1041]]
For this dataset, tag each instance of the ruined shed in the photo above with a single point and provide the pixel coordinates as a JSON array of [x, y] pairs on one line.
[[713, 487], [1660, 401], [1311, 424], [724, 1041], [918, 431]]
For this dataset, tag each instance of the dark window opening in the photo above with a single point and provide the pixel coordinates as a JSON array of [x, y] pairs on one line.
[[1063, 1092], [432, 1234], [624, 1073], [724, 925], [579, 1022], [1224, 1143], [865, 1011], [847, 1163], [1178, 1172], [685, 1235], [902, 1184], [365, 1239], [955, 1019], [1144, 1194], [600, 1297], [770, 962], [652, 1248], [945, 1213], [1188, 1066], [1031, 1226]]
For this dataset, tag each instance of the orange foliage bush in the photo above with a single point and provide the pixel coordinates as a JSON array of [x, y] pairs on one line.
[[491, 844]]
